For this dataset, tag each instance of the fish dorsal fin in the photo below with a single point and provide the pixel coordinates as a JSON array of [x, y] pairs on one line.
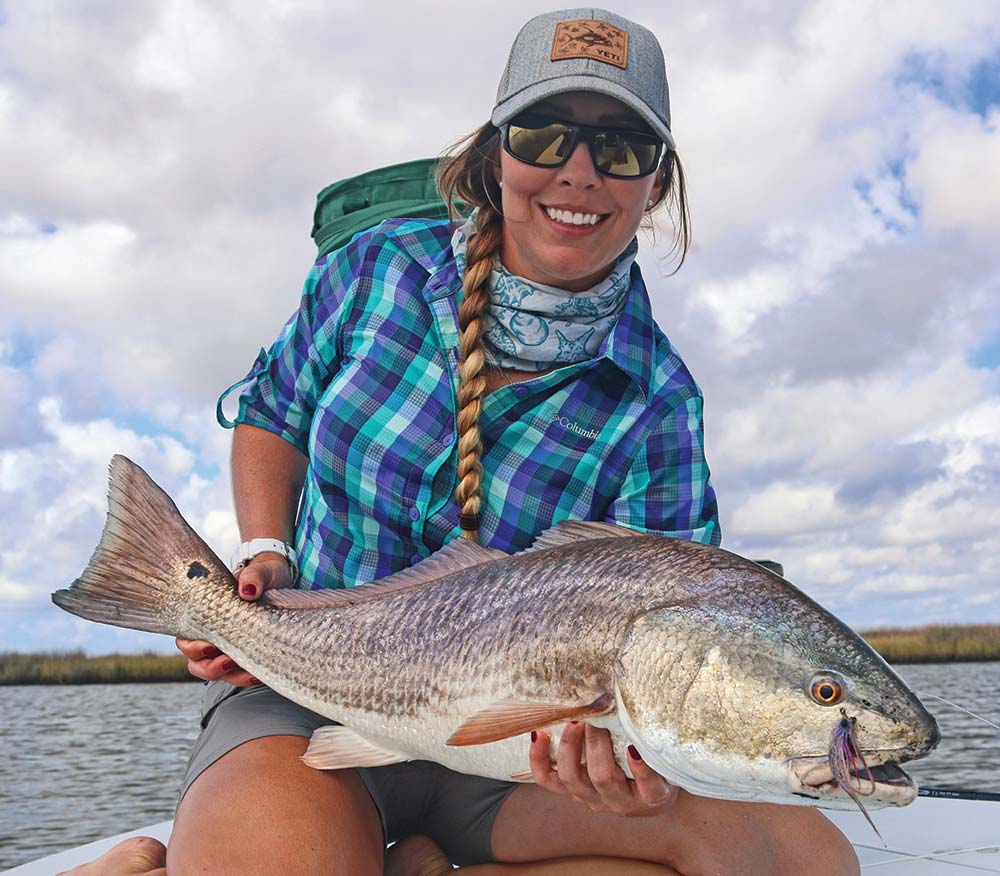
[[571, 531], [456, 556], [337, 748], [506, 719]]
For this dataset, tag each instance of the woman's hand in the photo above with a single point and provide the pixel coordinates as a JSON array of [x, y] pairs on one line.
[[266, 571], [599, 784]]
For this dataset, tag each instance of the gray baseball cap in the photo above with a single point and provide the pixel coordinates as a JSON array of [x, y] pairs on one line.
[[586, 50]]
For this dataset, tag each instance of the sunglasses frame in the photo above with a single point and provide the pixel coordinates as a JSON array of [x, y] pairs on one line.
[[579, 133]]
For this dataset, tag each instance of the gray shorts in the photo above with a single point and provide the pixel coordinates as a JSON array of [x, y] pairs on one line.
[[420, 797]]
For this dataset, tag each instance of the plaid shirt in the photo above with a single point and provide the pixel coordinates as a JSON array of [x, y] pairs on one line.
[[363, 380]]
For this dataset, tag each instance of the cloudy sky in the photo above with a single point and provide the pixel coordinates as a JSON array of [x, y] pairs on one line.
[[840, 308]]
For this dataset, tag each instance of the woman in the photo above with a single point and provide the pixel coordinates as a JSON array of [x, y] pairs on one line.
[[514, 356]]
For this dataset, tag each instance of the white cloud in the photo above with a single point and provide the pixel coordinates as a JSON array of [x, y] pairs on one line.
[[955, 173], [844, 198], [784, 509]]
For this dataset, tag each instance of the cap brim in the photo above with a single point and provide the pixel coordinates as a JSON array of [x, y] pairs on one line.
[[518, 103]]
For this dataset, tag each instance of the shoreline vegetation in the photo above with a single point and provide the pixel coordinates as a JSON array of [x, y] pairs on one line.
[[938, 643]]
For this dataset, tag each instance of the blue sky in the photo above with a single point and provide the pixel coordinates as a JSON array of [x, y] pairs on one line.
[[840, 308]]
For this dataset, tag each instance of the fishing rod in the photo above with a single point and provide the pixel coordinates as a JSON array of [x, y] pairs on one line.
[[957, 794]]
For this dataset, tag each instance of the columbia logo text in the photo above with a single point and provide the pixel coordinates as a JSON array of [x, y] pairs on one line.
[[568, 424]]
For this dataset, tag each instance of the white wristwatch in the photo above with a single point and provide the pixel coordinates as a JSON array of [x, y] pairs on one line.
[[249, 549]]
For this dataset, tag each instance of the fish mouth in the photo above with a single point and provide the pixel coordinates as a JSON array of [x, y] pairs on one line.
[[883, 783]]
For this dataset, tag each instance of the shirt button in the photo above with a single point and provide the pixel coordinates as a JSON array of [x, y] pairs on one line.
[[416, 558], [521, 391], [446, 439], [414, 514]]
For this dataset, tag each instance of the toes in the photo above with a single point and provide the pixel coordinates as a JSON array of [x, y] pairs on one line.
[[132, 857], [144, 852], [416, 856]]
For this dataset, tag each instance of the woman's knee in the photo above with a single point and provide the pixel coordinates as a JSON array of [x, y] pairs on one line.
[[748, 839], [803, 840], [259, 809]]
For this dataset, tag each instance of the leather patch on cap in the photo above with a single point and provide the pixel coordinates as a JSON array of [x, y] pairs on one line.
[[591, 38]]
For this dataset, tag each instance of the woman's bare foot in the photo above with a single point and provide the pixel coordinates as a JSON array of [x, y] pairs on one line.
[[415, 856], [132, 857]]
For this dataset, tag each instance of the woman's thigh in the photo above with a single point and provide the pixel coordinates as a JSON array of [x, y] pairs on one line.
[[693, 835], [259, 810]]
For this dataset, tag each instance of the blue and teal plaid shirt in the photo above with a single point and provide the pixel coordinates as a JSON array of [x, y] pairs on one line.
[[363, 380]]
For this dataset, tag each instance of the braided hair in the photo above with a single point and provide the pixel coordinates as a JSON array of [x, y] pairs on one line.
[[470, 175]]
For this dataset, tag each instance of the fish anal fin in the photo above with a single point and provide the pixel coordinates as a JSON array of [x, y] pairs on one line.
[[510, 718], [458, 555], [335, 748]]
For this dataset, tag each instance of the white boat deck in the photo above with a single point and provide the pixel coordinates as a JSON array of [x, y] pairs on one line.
[[929, 838]]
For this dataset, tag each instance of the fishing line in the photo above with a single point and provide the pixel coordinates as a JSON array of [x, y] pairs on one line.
[[959, 794], [941, 857], [960, 708]]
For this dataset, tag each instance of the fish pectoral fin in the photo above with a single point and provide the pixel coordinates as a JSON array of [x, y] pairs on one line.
[[506, 719], [335, 748]]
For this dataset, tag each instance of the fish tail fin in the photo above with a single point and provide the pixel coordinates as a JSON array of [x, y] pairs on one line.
[[147, 563]]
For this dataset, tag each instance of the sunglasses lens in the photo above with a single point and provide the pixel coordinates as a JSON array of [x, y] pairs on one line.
[[547, 145], [625, 154]]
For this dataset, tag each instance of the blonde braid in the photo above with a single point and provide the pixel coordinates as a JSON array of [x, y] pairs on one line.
[[482, 249], [468, 178]]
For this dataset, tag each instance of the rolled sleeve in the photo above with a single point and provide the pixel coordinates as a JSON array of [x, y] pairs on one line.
[[667, 489], [283, 387]]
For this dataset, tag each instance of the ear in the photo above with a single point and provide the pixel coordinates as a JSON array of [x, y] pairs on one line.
[[662, 177]]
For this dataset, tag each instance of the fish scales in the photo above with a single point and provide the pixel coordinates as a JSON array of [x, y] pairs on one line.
[[704, 661]]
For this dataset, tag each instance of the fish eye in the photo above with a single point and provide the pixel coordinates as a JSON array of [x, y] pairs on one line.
[[826, 690]]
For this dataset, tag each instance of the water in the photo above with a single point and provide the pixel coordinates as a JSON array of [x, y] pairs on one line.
[[85, 761], [968, 755], [82, 762]]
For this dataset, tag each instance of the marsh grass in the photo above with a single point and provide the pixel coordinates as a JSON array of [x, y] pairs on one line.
[[938, 643], [75, 667]]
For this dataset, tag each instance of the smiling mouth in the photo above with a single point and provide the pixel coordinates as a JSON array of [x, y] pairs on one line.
[[887, 783], [568, 217]]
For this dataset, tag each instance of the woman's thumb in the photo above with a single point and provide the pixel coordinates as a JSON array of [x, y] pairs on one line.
[[263, 574]]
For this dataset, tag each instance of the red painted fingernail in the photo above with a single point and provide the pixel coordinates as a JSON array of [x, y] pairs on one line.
[[634, 754], [255, 681], [228, 666], [248, 590], [211, 651], [574, 722], [534, 736]]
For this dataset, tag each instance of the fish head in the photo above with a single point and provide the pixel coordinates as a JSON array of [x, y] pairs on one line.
[[742, 706]]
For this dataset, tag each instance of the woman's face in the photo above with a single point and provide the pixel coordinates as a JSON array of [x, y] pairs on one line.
[[545, 250]]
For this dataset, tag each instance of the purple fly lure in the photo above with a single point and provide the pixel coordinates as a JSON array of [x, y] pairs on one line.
[[847, 763]]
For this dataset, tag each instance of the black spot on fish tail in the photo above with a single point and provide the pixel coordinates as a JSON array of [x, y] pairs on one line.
[[197, 570]]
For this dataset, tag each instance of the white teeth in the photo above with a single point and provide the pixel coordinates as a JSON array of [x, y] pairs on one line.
[[568, 218]]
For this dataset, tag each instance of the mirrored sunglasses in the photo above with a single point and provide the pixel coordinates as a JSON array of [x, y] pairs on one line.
[[616, 152]]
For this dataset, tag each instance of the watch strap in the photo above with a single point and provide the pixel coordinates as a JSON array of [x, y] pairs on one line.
[[250, 549]]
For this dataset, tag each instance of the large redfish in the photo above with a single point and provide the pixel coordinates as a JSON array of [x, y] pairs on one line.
[[729, 681]]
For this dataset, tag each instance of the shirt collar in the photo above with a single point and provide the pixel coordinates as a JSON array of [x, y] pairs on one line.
[[630, 343]]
